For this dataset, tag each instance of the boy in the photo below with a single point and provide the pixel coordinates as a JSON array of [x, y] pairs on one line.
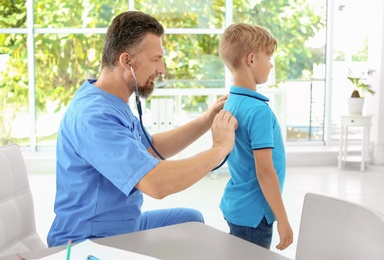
[[252, 198]]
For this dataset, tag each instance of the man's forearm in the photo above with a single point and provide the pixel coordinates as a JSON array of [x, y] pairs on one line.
[[172, 176], [174, 141]]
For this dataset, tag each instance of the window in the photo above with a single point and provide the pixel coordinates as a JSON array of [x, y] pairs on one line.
[[68, 36]]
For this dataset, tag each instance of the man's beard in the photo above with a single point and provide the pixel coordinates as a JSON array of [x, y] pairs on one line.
[[144, 91], [147, 90]]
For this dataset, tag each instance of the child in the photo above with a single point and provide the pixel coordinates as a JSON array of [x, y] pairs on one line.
[[252, 198]]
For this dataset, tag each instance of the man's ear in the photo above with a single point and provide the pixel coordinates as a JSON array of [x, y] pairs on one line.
[[125, 59]]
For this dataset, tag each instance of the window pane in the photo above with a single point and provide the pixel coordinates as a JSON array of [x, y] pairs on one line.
[[63, 62], [192, 61], [13, 14], [305, 110], [185, 14], [350, 59], [14, 116], [77, 13], [299, 59]]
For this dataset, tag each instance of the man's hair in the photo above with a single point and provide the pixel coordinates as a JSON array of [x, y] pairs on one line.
[[240, 39], [126, 33]]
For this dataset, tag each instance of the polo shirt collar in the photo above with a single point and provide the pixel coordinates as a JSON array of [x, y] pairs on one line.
[[247, 92]]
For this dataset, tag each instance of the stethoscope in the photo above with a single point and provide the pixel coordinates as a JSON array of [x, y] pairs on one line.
[[140, 112]]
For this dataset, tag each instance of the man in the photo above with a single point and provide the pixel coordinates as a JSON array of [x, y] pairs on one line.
[[104, 160]]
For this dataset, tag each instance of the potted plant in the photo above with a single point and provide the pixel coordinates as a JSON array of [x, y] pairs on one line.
[[356, 101]]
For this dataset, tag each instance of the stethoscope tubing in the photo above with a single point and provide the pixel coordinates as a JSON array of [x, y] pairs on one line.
[[140, 112]]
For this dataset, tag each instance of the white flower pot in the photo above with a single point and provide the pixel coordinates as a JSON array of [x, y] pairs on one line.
[[355, 106]]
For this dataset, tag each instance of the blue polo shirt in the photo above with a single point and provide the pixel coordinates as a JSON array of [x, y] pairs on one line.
[[101, 156], [243, 202]]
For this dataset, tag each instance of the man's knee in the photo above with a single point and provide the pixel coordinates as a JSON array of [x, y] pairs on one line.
[[195, 215]]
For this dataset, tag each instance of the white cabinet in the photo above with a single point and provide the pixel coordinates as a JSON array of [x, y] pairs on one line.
[[354, 121]]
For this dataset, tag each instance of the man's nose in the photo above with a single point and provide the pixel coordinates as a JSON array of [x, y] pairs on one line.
[[161, 68]]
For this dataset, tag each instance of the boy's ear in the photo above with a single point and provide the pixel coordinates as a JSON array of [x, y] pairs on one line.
[[250, 58]]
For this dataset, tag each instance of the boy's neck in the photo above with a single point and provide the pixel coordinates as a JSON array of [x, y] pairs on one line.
[[243, 80]]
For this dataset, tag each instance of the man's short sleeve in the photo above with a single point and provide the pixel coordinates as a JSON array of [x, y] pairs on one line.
[[116, 151]]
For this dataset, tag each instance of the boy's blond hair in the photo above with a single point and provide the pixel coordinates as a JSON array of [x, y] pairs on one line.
[[240, 39]]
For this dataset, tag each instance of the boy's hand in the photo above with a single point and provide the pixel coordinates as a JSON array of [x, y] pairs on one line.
[[285, 234]]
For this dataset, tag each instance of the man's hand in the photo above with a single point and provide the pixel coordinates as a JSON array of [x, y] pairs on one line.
[[215, 108], [223, 130]]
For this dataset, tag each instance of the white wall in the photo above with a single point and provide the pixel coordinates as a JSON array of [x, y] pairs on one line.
[[376, 62]]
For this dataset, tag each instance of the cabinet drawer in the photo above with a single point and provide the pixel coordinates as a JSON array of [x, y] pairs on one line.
[[356, 121]]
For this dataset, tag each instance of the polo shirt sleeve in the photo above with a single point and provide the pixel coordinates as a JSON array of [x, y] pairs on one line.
[[115, 149], [260, 128]]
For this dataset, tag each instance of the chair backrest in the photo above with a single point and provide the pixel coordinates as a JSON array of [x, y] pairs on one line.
[[17, 219], [334, 229]]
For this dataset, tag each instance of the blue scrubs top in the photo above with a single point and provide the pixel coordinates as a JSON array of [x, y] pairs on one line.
[[243, 202], [101, 156]]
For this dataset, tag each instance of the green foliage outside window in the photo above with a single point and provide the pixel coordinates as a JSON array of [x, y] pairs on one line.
[[14, 80], [65, 60], [292, 23]]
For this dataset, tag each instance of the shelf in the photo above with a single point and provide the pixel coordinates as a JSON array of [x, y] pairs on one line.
[[353, 158]]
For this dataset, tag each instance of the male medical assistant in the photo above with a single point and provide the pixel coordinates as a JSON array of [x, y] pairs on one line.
[[94, 209]]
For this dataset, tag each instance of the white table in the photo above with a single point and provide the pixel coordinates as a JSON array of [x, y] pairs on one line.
[[187, 241], [363, 121]]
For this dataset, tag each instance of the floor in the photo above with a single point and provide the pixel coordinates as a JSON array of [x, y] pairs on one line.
[[349, 183]]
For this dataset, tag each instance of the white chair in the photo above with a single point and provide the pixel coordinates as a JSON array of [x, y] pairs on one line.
[[333, 229], [17, 218]]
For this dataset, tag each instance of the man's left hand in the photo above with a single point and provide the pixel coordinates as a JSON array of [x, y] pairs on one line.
[[216, 107]]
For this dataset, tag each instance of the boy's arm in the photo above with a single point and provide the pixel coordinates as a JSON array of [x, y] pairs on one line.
[[269, 184]]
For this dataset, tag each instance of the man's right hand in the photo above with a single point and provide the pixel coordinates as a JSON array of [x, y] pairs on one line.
[[171, 176], [223, 131]]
